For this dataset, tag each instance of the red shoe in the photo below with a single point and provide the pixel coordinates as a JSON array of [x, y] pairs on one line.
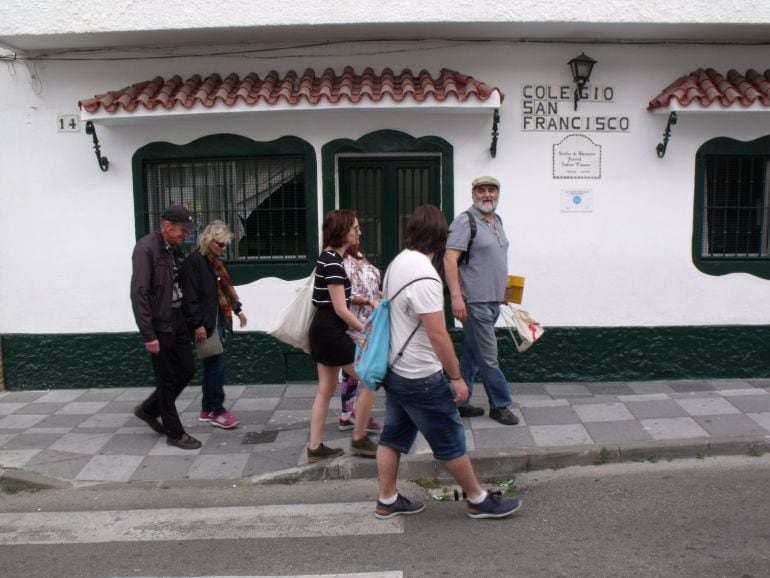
[[225, 420]]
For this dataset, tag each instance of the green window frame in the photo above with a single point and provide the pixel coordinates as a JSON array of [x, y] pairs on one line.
[[731, 230], [265, 191]]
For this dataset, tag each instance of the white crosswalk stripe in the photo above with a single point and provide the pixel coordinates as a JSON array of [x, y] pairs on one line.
[[278, 521]]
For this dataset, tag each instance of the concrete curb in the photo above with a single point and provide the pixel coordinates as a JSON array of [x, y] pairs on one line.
[[32, 480]]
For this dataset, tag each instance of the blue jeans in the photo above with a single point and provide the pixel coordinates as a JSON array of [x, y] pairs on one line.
[[214, 379], [423, 405], [479, 354]]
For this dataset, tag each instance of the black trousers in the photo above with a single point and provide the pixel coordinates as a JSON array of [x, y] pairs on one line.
[[174, 367]]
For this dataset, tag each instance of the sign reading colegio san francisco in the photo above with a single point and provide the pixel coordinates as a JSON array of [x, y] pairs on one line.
[[549, 107]]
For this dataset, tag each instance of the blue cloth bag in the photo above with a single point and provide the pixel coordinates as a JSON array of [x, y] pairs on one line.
[[373, 349]]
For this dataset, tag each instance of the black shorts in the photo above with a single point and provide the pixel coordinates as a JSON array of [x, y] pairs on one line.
[[330, 343]]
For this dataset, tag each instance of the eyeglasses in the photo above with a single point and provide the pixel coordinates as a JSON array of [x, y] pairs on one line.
[[220, 244]]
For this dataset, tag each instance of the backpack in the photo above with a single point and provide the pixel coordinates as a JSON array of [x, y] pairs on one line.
[[438, 256], [373, 349]]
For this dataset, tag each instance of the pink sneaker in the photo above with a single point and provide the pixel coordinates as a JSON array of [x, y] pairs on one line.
[[206, 415], [348, 424], [225, 420]]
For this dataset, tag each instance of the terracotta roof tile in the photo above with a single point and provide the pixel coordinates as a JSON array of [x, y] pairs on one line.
[[707, 86], [291, 89]]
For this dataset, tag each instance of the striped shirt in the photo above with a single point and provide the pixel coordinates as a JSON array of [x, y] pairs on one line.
[[329, 270]]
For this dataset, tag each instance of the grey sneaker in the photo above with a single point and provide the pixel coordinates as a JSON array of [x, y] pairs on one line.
[[503, 415], [363, 447], [494, 506], [401, 507], [323, 452]]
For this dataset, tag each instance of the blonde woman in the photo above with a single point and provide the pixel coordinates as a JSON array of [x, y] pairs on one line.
[[209, 301]]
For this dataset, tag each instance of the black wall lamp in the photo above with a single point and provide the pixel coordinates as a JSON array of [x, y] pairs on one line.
[[581, 67]]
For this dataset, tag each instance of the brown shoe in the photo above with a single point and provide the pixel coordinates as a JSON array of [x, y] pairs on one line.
[[323, 452], [148, 419], [363, 447], [186, 442]]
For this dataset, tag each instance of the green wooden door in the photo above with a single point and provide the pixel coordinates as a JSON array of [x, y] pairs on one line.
[[384, 191]]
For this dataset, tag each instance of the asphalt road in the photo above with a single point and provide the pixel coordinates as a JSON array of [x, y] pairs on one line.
[[682, 518]]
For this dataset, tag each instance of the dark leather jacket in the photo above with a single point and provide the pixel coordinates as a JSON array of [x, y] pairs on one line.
[[200, 301], [151, 285]]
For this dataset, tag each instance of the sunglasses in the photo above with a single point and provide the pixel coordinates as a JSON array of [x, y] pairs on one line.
[[220, 244]]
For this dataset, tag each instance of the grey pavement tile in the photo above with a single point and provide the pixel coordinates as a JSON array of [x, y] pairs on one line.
[[523, 389], [106, 394], [708, 406], [690, 385], [730, 425], [643, 387], [183, 405], [544, 403], [762, 418], [510, 437], [6, 437], [616, 432], [265, 463], [304, 403], [17, 458], [14, 421], [48, 430], [61, 395], [156, 468], [81, 443], [7, 408], [655, 408], [560, 435], [109, 468], [190, 392], [260, 404], [673, 428], [21, 396], [764, 382], [230, 442], [135, 394], [274, 390], [574, 401], [739, 392], [63, 465], [234, 391], [537, 416], [523, 400], [644, 397], [106, 420], [303, 390], [39, 408], [78, 407], [62, 421], [725, 384], [603, 412], [610, 388], [129, 444], [218, 466], [126, 407], [566, 389], [745, 403], [290, 417], [30, 441]]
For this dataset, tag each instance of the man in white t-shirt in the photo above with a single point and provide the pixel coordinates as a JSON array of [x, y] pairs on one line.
[[419, 395]]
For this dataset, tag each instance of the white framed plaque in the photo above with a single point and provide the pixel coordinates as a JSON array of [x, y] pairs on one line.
[[577, 157]]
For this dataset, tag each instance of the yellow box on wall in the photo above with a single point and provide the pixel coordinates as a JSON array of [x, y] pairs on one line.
[[514, 289]]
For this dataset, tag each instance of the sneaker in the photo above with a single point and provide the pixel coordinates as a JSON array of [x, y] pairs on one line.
[[503, 415], [348, 423], [206, 415], [401, 507], [323, 452], [363, 447], [494, 506], [225, 420], [186, 442], [149, 420], [470, 411]]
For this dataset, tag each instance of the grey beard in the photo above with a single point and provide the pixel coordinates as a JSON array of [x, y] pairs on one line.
[[485, 208]]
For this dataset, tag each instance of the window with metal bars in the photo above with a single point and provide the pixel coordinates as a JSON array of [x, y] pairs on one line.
[[732, 207], [261, 199]]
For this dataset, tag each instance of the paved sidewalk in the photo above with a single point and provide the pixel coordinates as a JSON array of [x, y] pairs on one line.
[[76, 437]]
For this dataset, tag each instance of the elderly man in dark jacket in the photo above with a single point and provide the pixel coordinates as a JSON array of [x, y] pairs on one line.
[[156, 299]]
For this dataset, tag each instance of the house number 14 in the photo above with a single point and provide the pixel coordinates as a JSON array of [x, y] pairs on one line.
[[67, 123]]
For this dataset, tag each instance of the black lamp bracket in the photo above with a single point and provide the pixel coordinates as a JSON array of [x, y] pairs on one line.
[[495, 123], [661, 148], [104, 164]]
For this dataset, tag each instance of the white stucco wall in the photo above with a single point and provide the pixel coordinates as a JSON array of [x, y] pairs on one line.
[[67, 228]]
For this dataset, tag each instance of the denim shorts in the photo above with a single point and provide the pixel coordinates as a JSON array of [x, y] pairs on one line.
[[425, 405]]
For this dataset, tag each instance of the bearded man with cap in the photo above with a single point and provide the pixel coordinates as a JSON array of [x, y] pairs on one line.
[[477, 287], [156, 299]]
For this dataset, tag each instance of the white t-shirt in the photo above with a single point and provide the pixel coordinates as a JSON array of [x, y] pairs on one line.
[[425, 296]]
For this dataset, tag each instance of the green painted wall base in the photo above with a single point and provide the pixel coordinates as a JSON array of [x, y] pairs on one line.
[[563, 354]]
